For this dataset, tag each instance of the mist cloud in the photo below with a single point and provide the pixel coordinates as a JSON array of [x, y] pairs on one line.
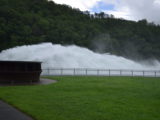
[[58, 56]]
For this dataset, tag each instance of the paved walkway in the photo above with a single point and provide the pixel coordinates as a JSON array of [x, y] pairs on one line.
[[43, 81], [7, 112]]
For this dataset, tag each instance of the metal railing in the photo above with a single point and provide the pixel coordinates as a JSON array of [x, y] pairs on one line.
[[99, 72]]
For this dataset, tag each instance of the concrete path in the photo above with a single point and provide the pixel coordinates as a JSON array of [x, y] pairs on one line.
[[43, 81], [7, 112]]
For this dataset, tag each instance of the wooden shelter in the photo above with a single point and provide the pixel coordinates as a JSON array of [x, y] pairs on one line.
[[19, 71]]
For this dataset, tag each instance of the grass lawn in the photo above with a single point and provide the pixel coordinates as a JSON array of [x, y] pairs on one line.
[[88, 98]]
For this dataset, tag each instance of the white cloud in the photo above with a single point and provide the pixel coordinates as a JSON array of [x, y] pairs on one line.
[[128, 9], [141, 9], [124, 13], [157, 2], [81, 4]]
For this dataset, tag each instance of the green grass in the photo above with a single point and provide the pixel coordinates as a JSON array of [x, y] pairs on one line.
[[89, 98]]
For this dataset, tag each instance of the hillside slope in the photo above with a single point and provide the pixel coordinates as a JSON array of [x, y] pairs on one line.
[[36, 21]]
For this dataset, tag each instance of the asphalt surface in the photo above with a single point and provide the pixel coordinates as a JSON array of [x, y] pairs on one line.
[[43, 81], [8, 112]]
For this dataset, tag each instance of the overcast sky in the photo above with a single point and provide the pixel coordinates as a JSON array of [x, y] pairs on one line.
[[128, 9]]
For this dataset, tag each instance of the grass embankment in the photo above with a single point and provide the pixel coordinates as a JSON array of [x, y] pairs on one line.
[[89, 98]]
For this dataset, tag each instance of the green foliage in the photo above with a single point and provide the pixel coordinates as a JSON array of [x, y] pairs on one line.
[[88, 98], [31, 21]]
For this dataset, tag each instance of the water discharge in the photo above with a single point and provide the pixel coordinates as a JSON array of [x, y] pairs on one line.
[[58, 56]]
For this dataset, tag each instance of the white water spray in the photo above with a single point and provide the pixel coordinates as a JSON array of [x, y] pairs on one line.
[[58, 56]]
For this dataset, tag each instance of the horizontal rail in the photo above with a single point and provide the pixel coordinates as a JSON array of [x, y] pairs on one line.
[[99, 72]]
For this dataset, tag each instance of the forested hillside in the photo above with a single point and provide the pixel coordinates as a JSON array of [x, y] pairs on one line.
[[25, 22]]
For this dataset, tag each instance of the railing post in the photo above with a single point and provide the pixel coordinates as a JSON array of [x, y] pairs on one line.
[[61, 71], [48, 71], [143, 73], [132, 73], [74, 72], [109, 72], [155, 74], [120, 72], [97, 72], [86, 71]]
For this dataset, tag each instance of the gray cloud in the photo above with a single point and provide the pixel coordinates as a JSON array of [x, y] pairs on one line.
[[142, 9], [128, 9]]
